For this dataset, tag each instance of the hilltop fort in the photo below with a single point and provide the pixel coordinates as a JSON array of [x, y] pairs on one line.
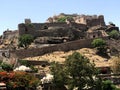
[[63, 32], [61, 28]]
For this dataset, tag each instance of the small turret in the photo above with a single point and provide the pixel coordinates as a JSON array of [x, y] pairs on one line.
[[27, 21]]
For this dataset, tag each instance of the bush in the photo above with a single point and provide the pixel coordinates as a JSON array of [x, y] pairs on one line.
[[34, 69], [100, 44], [114, 34], [25, 40], [24, 62], [21, 81], [108, 85], [7, 67]]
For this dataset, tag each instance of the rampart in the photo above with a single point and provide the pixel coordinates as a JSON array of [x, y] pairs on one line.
[[73, 45], [39, 29]]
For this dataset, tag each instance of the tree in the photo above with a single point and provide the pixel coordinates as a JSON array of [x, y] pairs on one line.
[[77, 72], [114, 34], [100, 44], [108, 85], [59, 75], [80, 72], [25, 40]]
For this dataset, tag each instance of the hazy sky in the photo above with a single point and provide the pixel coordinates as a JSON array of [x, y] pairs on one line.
[[13, 12]]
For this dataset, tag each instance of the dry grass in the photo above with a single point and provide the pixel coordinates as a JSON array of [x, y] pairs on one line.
[[60, 56]]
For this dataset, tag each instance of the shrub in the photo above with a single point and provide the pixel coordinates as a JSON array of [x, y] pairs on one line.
[[7, 67], [25, 40], [100, 44], [114, 34], [24, 62], [34, 69], [108, 85], [22, 80]]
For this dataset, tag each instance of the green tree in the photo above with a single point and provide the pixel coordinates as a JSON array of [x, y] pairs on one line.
[[77, 72], [80, 72], [25, 40], [114, 34], [59, 75], [100, 44], [108, 85]]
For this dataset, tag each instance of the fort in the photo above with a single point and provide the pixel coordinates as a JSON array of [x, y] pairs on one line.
[[74, 27], [53, 31], [69, 30]]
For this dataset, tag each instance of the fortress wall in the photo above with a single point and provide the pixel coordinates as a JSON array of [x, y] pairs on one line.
[[95, 21], [36, 29], [73, 45], [10, 34], [61, 32]]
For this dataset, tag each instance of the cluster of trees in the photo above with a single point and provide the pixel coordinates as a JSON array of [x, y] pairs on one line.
[[77, 72]]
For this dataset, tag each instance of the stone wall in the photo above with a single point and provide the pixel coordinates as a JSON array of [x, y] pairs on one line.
[[73, 45], [95, 21], [44, 29], [10, 34]]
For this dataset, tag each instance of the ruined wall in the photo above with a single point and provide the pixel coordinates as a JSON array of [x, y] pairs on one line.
[[73, 45], [26, 29], [34, 27], [95, 21], [10, 34], [42, 29]]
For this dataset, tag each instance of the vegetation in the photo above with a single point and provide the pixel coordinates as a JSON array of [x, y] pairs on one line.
[[100, 44], [77, 72], [25, 40], [19, 80], [114, 34], [6, 67], [108, 85], [63, 19], [59, 74], [80, 72], [24, 62]]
